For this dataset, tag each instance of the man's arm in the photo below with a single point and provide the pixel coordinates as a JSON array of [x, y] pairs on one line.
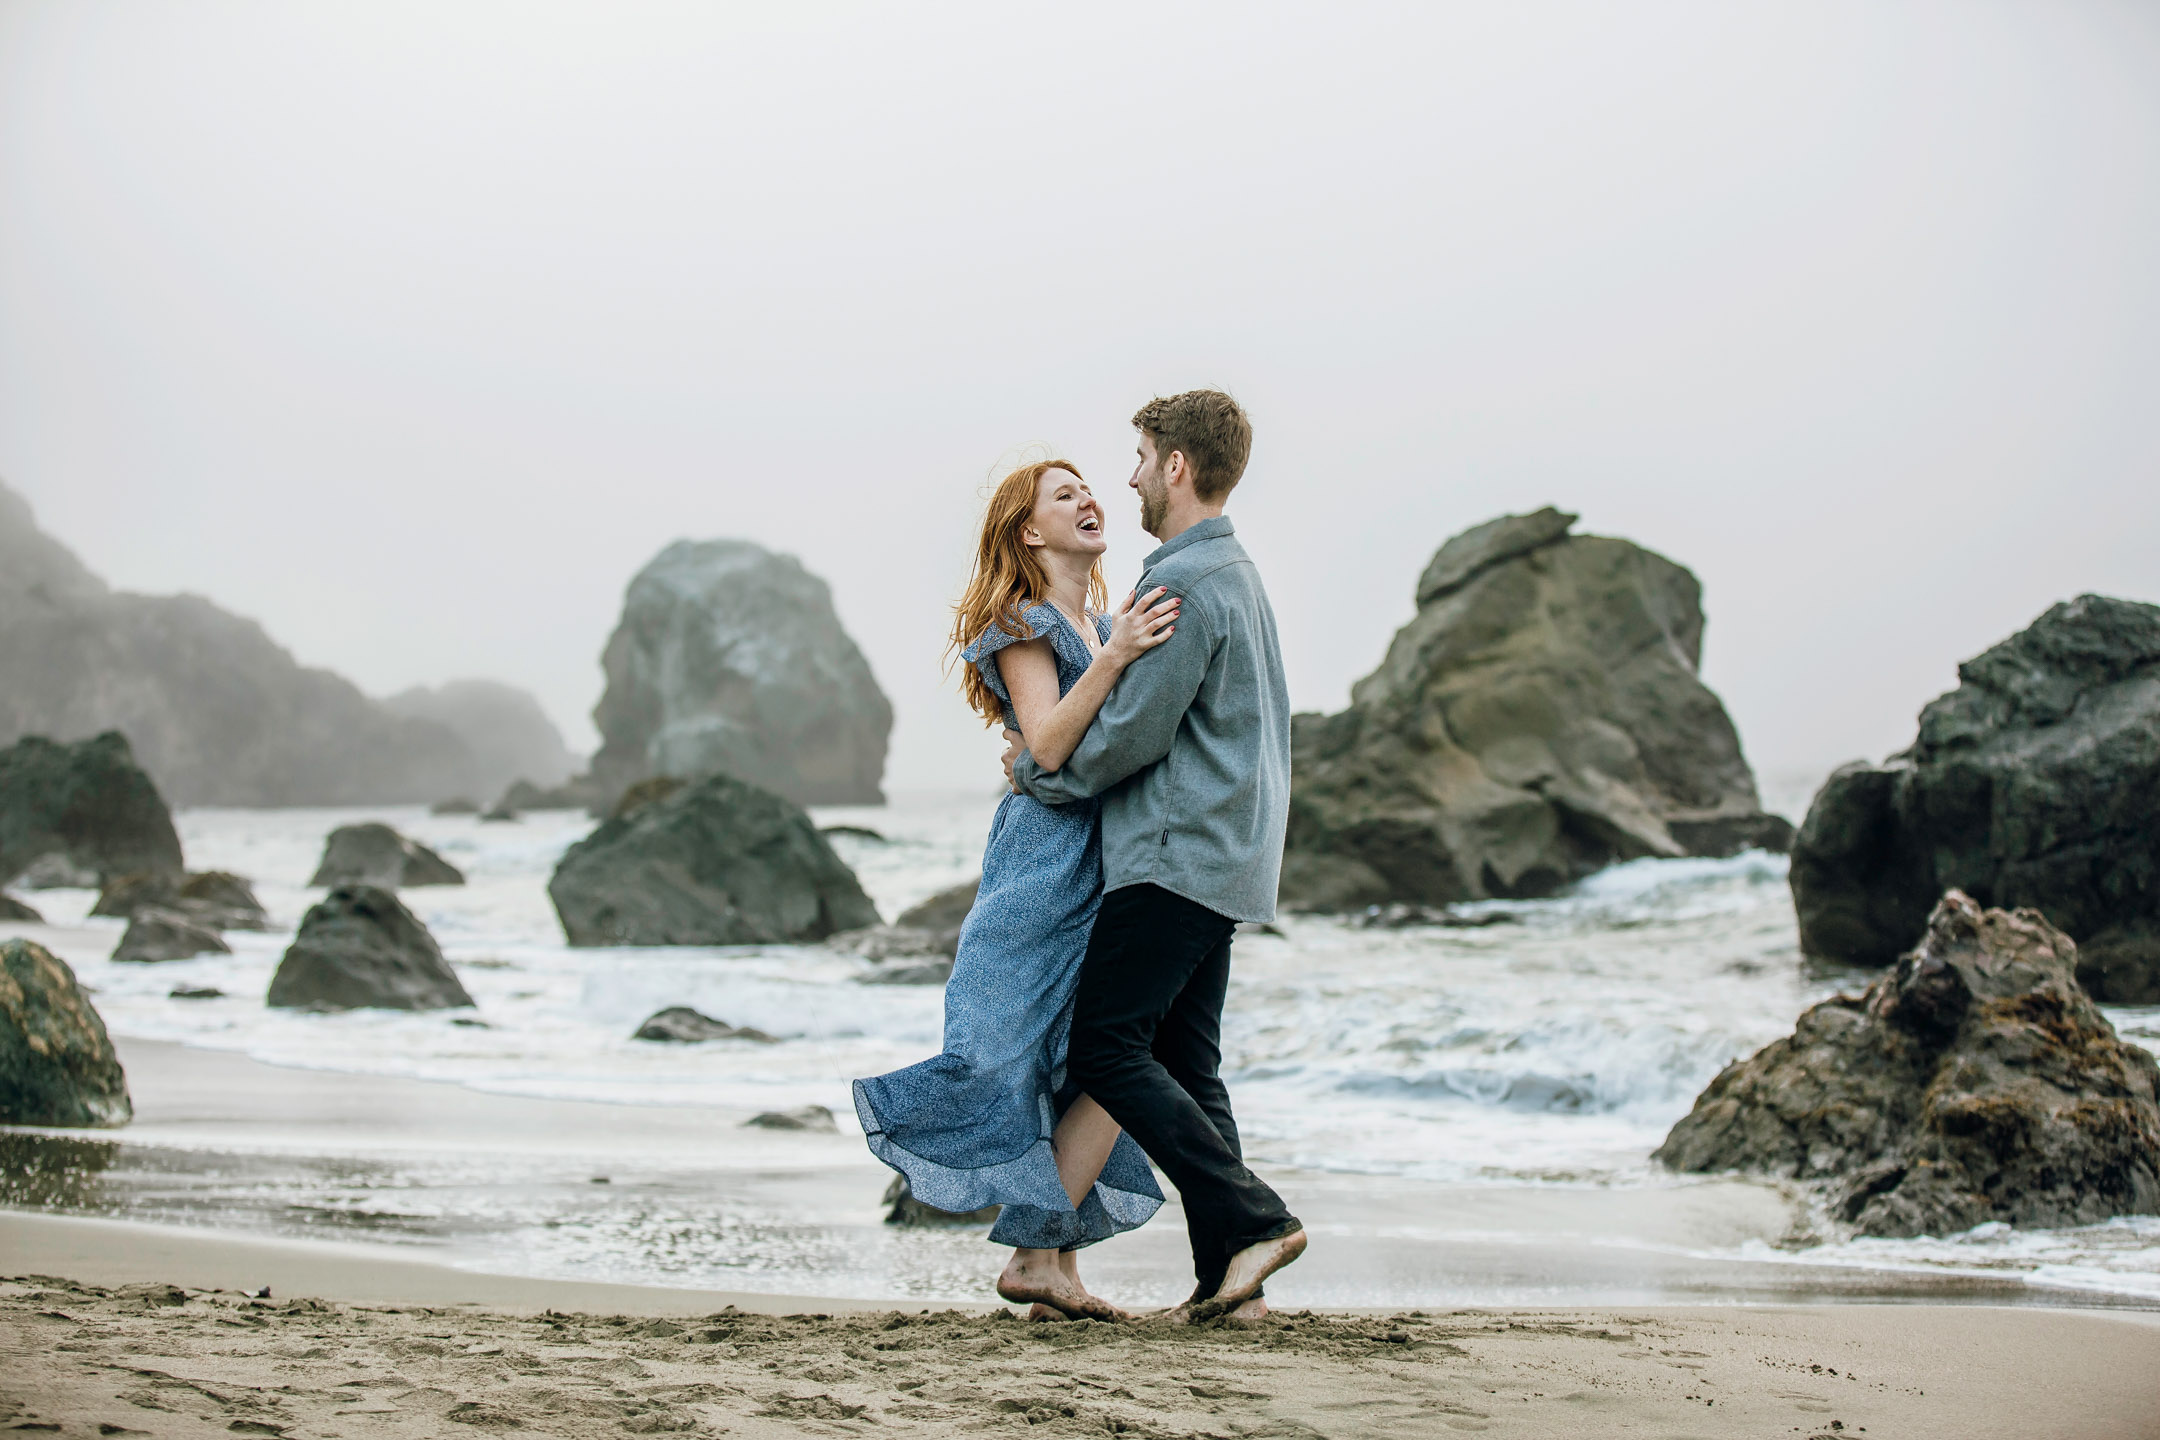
[[1136, 724]]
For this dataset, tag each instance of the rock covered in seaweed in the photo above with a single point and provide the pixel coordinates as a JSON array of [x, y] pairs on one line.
[[87, 803], [731, 659], [1539, 719], [360, 948], [57, 1065], [2035, 783], [1975, 1082], [713, 862], [374, 854]]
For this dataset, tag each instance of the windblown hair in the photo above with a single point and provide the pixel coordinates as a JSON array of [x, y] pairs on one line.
[[1008, 578], [1210, 428]]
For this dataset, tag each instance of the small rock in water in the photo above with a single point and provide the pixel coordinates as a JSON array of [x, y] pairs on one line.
[[927, 972], [223, 899], [156, 934], [809, 1117], [683, 1025], [360, 948], [467, 1022], [501, 815], [374, 854], [902, 1208], [196, 992], [456, 806], [13, 909], [1401, 916], [853, 832]]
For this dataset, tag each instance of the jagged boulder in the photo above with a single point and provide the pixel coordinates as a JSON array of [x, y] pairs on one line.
[[154, 935], [2035, 782], [374, 854], [216, 898], [1975, 1082], [57, 1065], [360, 948], [88, 803], [1539, 719], [716, 862], [731, 659], [682, 1025]]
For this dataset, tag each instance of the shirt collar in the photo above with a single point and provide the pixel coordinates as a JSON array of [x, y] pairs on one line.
[[1207, 529]]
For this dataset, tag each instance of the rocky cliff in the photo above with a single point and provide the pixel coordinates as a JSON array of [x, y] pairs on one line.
[[730, 659], [2036, 782], [509, 735], [217, 712], [1540, 718]]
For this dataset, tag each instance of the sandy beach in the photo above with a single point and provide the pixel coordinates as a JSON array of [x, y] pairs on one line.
[[336, 1356]]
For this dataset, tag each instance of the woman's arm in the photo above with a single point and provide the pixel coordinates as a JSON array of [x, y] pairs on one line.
[[1053, 726]]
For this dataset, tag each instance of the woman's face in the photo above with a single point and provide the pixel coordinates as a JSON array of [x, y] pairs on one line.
[[1067, 518]]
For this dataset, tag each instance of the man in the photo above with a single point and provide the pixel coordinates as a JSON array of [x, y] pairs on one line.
[[1191, 754]]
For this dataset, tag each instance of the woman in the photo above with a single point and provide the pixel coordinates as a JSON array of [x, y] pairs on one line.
[[991, 1121]]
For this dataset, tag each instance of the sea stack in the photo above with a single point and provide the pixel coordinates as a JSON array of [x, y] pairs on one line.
[[1539, 719], [730, 659], [713, 862], [1975, 1082], [2036, 782]]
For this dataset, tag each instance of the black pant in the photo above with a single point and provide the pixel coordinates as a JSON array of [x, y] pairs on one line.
[[1147, 1044]]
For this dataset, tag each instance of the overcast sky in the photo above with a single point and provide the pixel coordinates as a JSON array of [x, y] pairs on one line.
[[414, 330]]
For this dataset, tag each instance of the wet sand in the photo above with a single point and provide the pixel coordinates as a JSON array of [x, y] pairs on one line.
[[335, 1357]]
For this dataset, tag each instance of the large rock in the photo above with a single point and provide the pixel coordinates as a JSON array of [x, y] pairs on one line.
[[217, 711], [716, 862], [2036, 782], [731, 659], [154, 934], [1541, 718], [509, 735], [360, 948], [1975, 1082], [57, 1065], [88, 803], [372, 853]]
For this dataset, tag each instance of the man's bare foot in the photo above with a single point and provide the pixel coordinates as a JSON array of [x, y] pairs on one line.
[[1252, 1312], [1249, 1268], [1036, 1277]]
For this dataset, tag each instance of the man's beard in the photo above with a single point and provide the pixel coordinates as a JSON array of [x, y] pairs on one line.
[[1154, 504]]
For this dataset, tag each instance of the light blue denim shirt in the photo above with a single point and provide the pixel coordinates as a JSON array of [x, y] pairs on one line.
[[1191, 753]]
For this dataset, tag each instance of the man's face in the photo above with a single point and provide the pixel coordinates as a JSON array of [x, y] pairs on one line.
[[1147, 478]]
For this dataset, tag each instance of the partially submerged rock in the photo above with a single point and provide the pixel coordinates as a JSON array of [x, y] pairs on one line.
[[902, 1208], [716, 862], [88, 803], [809, 1117], [360, 948], [14, 909], [2035, 782], [214, 898], [456, 805], [730, 658], [1541, 718], [576, 793], [927, 933], [684, 1025], [1975, 1082], [917, 972], [374, 854], [57, 1065], [154, 934]]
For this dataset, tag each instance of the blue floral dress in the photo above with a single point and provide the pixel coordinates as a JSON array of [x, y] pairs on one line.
[[971, 1127]]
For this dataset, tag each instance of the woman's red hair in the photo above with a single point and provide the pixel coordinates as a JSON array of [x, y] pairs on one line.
[[1008, 578]]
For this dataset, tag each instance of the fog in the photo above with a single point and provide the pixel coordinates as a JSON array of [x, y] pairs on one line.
[[414, 330]]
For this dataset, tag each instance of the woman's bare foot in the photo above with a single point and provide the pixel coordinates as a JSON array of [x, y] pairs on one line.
[[1249, 1268], [1038, 1277], [1039, 1312]]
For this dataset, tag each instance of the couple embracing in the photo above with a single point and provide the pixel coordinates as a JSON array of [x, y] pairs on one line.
[[1149, 753]]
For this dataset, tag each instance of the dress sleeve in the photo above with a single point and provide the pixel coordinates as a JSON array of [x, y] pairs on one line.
[[982, 653]]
